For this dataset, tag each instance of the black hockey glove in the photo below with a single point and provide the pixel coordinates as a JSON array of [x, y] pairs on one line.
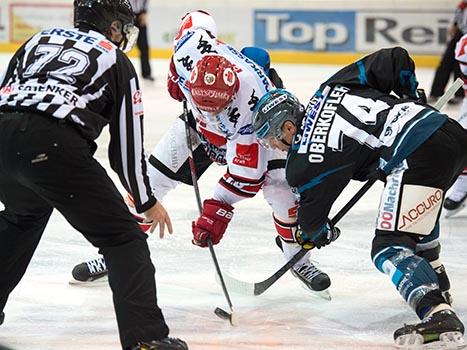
[[327, 234]]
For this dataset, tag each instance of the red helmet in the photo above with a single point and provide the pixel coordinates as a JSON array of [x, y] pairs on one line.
[[213, 83]]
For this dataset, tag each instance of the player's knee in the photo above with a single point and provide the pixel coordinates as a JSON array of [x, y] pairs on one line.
[[388, 258], [430, 254], [285, 230]]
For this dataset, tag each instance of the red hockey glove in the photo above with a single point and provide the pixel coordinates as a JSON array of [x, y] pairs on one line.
[[172, 83], [212, 223]]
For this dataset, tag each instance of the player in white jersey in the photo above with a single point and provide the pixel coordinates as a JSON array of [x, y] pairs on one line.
[[456, 200], [168, 166], [222, 86]]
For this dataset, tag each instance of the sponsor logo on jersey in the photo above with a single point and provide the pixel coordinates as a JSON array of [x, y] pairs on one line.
[[6, 90], [311, 111], [387, 213], [137, 97], [71, 34], [420, 206], [246, 130], [105, 45], [246, 155], [71, 97], [183, 40], [137, 103]]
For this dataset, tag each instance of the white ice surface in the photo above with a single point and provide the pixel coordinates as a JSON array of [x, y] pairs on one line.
[[44, 312]]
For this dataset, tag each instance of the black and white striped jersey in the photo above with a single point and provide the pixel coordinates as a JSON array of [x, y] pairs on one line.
[[80, 76], [139, 6]]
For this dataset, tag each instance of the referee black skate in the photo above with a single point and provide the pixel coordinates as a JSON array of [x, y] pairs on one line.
[[60, 89]]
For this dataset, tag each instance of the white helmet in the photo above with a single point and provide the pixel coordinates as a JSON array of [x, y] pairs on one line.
[[194, 20]]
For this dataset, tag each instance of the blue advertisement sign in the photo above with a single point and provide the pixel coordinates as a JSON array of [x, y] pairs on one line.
[[305, 30]]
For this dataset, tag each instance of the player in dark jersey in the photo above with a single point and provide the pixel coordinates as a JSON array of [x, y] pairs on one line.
[[61, 88], [354, 128]]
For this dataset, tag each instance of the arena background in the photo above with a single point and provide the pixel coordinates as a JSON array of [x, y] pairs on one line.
[[306, 31]]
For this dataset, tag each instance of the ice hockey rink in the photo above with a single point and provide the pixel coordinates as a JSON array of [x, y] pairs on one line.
[[46, 313]]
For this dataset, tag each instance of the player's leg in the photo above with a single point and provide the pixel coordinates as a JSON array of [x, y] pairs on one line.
[[429, 248], [456, 200], [409, 212], [283, 202]]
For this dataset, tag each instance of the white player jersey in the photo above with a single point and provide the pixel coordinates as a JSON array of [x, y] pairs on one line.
[[461, 57], [247, 161], [461, 51]]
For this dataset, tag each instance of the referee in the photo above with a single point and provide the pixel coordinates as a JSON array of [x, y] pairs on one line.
[[60, 89], [140, 8]]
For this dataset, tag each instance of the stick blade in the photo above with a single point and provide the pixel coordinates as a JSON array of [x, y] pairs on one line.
[[226, 316], [238, 286]]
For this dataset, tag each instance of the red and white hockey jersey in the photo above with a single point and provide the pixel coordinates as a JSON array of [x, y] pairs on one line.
[[247, 161]]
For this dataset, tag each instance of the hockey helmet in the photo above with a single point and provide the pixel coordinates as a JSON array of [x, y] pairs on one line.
[[213, 83], [194, 20], [99, 14], [272, 111]]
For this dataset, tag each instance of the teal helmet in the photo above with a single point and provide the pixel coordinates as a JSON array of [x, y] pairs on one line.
[[273, 110]]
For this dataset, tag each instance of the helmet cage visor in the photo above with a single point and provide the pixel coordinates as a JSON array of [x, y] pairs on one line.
[[130, 35]]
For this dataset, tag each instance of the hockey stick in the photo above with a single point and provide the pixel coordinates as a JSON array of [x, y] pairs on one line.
[[253, 289], [218, 311]]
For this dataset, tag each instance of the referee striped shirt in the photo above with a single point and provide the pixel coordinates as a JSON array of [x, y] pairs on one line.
[[139, 6], [80, 76]]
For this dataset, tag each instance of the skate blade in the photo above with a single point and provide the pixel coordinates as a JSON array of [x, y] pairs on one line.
[[322, 294], [95, 282], [447, 341], [451, 213]]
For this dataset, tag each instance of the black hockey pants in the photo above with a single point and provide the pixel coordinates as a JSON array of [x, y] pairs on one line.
[[46, 164]]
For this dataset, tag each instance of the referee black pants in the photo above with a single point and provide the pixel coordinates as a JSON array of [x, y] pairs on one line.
[[46, 164], [143, 46]]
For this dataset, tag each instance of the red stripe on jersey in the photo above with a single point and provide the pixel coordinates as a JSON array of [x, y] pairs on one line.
[[235, 190], [244, 179], [213, 138]]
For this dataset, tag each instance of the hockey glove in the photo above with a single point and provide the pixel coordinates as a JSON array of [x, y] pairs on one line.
[[172, 83], [212, 223], [327, 234]]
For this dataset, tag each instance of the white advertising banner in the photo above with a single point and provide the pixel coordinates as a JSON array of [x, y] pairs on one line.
[[3, 22], [29, 18], [419, 31], [234, 23]]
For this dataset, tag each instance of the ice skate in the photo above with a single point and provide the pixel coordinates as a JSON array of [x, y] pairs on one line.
[[89, 271], [162, 344], [311, 278], [441, 330], [454, 204]]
